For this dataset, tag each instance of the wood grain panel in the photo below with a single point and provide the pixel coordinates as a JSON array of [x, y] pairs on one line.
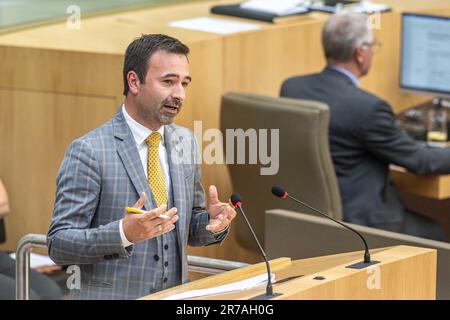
[[35, 130]]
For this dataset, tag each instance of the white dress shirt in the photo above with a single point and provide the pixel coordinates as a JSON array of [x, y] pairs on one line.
[[140, 133]]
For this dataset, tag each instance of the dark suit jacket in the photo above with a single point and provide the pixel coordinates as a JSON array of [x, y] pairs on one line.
[[364, 140], [2, 231]]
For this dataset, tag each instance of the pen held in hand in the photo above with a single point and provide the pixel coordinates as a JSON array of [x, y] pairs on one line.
[[135, 210]]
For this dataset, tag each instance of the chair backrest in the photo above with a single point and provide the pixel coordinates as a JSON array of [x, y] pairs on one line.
[[297, 235], [304, 161]]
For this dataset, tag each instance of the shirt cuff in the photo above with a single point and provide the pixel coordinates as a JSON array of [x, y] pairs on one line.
[[221, 234], [125, 241]]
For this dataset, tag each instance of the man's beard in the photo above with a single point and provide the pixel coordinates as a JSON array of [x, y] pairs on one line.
[[164, 116], [165, 119]]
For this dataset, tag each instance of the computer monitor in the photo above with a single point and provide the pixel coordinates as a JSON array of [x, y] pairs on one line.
[[425, 54]]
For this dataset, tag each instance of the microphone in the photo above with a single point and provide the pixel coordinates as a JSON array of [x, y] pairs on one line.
[[236, 201], [281, 193]]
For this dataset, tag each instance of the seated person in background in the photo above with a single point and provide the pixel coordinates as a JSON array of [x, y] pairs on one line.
[[42, 288], [363, 136]]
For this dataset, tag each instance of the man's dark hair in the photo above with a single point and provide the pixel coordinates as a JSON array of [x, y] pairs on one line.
[[141, 49]]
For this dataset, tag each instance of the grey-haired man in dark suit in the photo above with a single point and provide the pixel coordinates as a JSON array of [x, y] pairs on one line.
[[363, 136]]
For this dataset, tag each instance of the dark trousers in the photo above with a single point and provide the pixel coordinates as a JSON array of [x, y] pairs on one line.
[[41, 287], [417, 225]]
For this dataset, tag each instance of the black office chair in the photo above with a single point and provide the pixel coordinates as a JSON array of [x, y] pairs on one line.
[[305, 165]]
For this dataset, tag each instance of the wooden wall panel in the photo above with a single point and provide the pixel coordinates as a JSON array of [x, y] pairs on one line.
[[35, 130]]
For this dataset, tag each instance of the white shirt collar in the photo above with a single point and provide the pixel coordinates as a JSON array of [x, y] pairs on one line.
[[347, 73], [140, 132]]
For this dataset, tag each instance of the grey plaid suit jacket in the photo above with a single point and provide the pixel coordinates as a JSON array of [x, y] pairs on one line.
[[101, 174]]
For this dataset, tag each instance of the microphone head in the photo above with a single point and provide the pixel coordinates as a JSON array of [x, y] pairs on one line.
[[235, 200], [279, 192]]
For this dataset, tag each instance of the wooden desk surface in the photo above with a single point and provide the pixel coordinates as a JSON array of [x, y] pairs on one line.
[[435, 187], [333, 269], [111, 33]]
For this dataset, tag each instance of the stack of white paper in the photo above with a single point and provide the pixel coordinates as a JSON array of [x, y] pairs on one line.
[[277, 7], [231, 287], [212, 25], [37, 260], [363, 7], [368, 7]]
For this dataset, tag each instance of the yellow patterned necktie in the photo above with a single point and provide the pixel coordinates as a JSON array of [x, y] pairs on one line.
[[154, 170]]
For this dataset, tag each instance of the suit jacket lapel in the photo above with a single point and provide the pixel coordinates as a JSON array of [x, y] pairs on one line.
[[128, 153], [172, 143]]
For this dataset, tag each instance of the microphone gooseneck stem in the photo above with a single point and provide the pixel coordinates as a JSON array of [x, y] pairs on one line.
[[269, 290], [366, 253]]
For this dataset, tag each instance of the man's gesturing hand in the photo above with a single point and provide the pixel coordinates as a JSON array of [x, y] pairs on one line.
[[220, 213], [138, 227]]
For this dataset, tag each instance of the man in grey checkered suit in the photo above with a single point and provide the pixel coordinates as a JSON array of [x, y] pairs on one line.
[[127, 256]]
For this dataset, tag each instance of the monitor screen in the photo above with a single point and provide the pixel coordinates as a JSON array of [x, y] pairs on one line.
[[425, 53]]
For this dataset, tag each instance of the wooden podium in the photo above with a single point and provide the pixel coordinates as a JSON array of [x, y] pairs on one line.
[[403, 272]]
